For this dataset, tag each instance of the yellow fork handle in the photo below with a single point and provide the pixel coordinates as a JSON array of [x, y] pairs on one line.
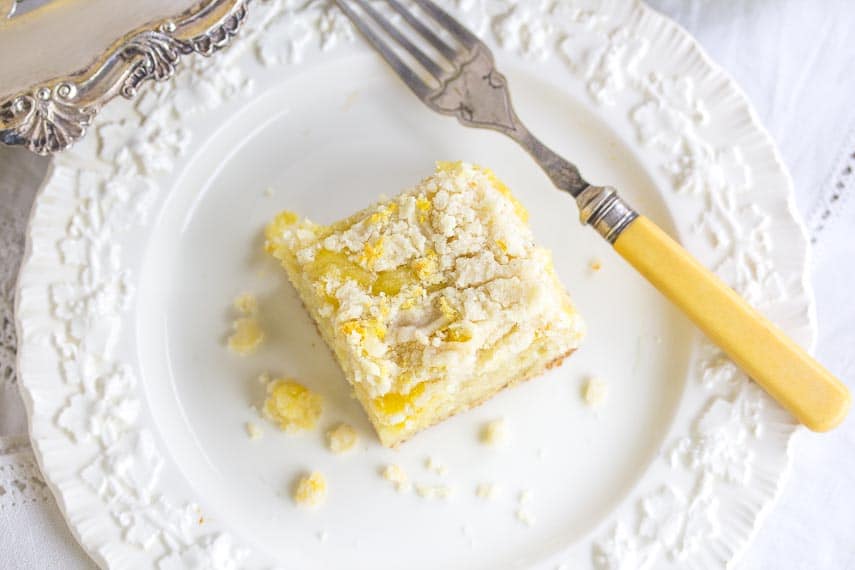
[[797, 381]]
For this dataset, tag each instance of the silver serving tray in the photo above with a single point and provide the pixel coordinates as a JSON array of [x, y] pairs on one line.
[[62, 61]]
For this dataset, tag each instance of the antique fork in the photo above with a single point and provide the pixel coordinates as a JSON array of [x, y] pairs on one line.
[[459, 78]]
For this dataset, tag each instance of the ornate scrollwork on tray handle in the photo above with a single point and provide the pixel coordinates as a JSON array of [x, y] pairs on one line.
[[52, 116]]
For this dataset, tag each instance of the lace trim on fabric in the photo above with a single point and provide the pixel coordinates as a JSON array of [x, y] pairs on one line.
[[11, 249], [21, 482], [14, 444], [21, 173], [837, 191], [8, 378]]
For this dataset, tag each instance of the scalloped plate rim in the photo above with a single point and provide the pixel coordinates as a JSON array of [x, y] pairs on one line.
[[23, 286]]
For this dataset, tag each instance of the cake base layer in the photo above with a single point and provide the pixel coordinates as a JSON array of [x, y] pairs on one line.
[[393, 438]]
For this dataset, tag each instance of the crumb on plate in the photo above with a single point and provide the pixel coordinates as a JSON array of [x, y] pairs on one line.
[[310, 490], [594, 392], [494, 432], [341, 439], [395, 474], [246, 304], [433, 491], [487, 491], [253, 431], [291, 405], [246, 336], [525, 516], [595, 265], [431, 464]]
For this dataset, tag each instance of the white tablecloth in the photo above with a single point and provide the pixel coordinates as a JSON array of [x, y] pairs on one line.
[[796, 61]]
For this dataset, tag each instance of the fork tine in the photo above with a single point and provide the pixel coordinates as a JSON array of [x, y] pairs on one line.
[[426, 32], [458, 30], [413, 81], [431, 66]]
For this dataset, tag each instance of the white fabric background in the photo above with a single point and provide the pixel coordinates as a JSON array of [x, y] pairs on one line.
[[796, 61]]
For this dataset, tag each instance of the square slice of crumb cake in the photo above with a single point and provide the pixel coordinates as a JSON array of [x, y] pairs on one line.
[[432, 301]]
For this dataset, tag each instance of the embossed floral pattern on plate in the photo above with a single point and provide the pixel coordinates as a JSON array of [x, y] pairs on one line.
[[720, 467]]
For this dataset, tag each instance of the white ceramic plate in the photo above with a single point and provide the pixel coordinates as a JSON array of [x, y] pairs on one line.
[[144, 234]]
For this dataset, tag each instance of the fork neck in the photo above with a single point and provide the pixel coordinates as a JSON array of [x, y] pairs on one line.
[[563, 173]]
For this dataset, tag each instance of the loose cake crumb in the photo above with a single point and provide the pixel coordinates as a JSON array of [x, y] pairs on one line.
[[311, 490], [525, 517], [395, 474], [494, 433], [433, 465], [595, 392], [246, 304], [291, 405], [246, 336], [341, 439], [487, 491], [595, 265], [253, 430], [433, 491]]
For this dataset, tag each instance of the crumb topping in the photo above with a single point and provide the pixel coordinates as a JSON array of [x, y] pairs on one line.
[[426, 284]]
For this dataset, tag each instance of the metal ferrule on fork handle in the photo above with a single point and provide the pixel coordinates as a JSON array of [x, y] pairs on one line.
[[605, 211]]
